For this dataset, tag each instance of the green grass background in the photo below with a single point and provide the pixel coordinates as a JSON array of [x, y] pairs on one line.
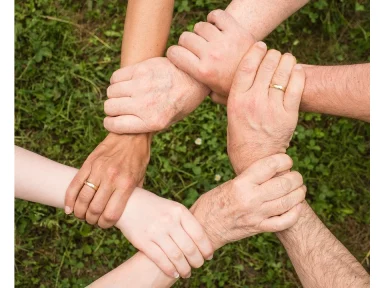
[[65, 52]]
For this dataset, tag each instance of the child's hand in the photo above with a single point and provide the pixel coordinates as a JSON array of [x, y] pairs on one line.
[[211, 54], [166, 232]]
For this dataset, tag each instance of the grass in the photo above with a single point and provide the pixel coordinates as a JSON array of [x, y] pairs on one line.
[[65, 52]]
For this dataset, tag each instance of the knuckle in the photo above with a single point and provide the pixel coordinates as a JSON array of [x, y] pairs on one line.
[[112, 172], [96, 208], [298, 177], [85, 195], [198, 26], [189, 250], [110, 216], [246, 66], [176, 255], [285, 203], [271, 163], [284, 184], [281, 74], [205, 71], [215, 13], [198, 263], [183, 37]]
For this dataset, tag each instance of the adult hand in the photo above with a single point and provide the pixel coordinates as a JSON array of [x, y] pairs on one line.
[[150, 96], [166, 232], [261, 120], [212, 52], [253, 202], [116, 166]]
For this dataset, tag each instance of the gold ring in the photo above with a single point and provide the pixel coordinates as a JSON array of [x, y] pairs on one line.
[[91, 185], [279, 87]]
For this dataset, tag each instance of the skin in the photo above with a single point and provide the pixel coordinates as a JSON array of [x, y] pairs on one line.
[[320, 260], [171, 94], [278, 202], [212, 53], [118, 164]]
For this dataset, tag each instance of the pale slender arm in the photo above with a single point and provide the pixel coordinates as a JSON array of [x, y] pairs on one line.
[[321, 260], [38, 179]]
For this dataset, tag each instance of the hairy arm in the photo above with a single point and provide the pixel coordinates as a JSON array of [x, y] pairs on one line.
[[321, 260], [338, 90], [261, 17]]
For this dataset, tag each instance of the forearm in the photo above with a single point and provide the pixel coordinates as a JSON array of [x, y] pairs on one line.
[[261, 17], [146, 30], [338, 90], [321, 260], [40, 180]]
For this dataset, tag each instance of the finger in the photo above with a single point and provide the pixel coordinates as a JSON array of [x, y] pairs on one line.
[[247, 69], [222, 20], [122, 89], [115, 206], [154, 252], [295, 89], [193, 228], [266, 168], [193, 42], [99, 202], [123, 74], [122, 106], [282, 222], [175, 255], [126, 124], [185, 60], [281, 77], [207, 31], [74, 188], [285, 203], [280, 186], [218, 99], [188, 247], [86, 195], [267, 70]]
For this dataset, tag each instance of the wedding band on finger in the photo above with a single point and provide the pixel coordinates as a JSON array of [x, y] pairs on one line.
[[276, 86], [91, 185]]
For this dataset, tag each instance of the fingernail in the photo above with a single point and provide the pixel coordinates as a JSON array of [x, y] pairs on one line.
[[298, 67], [261, 44], [67, 210], [210, 257], [176, 275]]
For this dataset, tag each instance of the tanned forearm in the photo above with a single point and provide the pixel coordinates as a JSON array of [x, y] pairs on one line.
[[321, 260], [338, 90], [146, 31]]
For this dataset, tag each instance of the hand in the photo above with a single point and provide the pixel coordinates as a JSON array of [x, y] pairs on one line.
[[166, 232], [150, 96], [261, 120], [253, 202], [116, 166], [211, 54]]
